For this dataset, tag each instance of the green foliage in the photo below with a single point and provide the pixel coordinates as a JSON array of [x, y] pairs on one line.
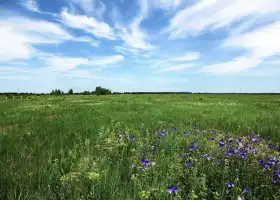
[[54, 149], [102, 91], [70, 91]]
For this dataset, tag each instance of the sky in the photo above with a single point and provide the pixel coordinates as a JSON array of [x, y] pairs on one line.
[[140, 45]]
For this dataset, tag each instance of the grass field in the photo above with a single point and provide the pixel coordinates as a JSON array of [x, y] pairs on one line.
[[117, 147]]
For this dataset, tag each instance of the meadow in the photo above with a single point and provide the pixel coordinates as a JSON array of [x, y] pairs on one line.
[[130, 147]]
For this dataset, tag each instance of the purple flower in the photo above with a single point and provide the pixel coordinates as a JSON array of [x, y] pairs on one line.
[[270, 145], [277, 173], [260, 160], [265, 164], [212, 139], [212, 131], [207, 156], [166, 148], [172, 189], [245, 190], [174, 129], [230, 152], [195, 127], [274, 181], [239, 140], [222, 143], [131, 138], [243, 154], [194, 146], [229, 184], [230, 140], [188, 163], [145, 163], [186, 133]]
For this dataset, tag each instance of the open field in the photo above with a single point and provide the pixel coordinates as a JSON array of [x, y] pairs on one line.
[[106, 147]]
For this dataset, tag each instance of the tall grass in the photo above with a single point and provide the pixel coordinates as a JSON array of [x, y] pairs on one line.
[[82, 147]]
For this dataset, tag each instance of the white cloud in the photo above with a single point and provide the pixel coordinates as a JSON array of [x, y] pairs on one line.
[[175, 68], [237, 65], [262, 42], [19, 34], [166, 4], [91, 7], [63, 64], [188, 56], [88, 24], [30, 5], [213, 14]]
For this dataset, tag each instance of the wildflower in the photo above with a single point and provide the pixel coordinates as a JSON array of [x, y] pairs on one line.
[[270, 145], [260, 160], [245, 190], [186, 133], [152, 147], [229, 184], [238, 140], [212, 139], [166, 148], [188, 163], [274, 181], [174, 129], [172, 189], [219, 162], [145, 162], [243, 154], [194, 146], [195, 126], [230, 140], [131, 138], [271, 160], [265, 164], [207, 156], [212, 131], [230, 152], [222, 143]]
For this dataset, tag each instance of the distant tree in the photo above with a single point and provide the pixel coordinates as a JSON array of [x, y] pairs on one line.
[[70, 91], [102, 91], [86, 93]]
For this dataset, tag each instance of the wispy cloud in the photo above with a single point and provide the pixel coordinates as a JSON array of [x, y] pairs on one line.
[[89, 24], [213, 14], [19, 34], [174, 68], [62, 63], [189, 56], [30, 5], [237, 65]]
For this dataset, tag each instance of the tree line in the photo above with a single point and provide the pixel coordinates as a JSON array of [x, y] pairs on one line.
[[98, 91]]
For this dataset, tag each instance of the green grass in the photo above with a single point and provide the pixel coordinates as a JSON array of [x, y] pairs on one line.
[[67, 147]]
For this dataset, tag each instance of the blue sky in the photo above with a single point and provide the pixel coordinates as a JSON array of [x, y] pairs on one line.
[[140, 45]]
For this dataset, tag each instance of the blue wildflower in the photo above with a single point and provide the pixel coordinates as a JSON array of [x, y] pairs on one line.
[[172, 189], [229, 184], [186, 133], [260, 160], [230, 152], [230, 140], [195, 126], [166, 147], [188, 163], [194, 146], [174, 129], [238, 140], [145, 162], [219, 162], [245, 190], [212, 131], [243, 154], [131, 138], [222, 143], [270, 145], [207, 156], [212, 139], [265, 164], [274, 181]]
